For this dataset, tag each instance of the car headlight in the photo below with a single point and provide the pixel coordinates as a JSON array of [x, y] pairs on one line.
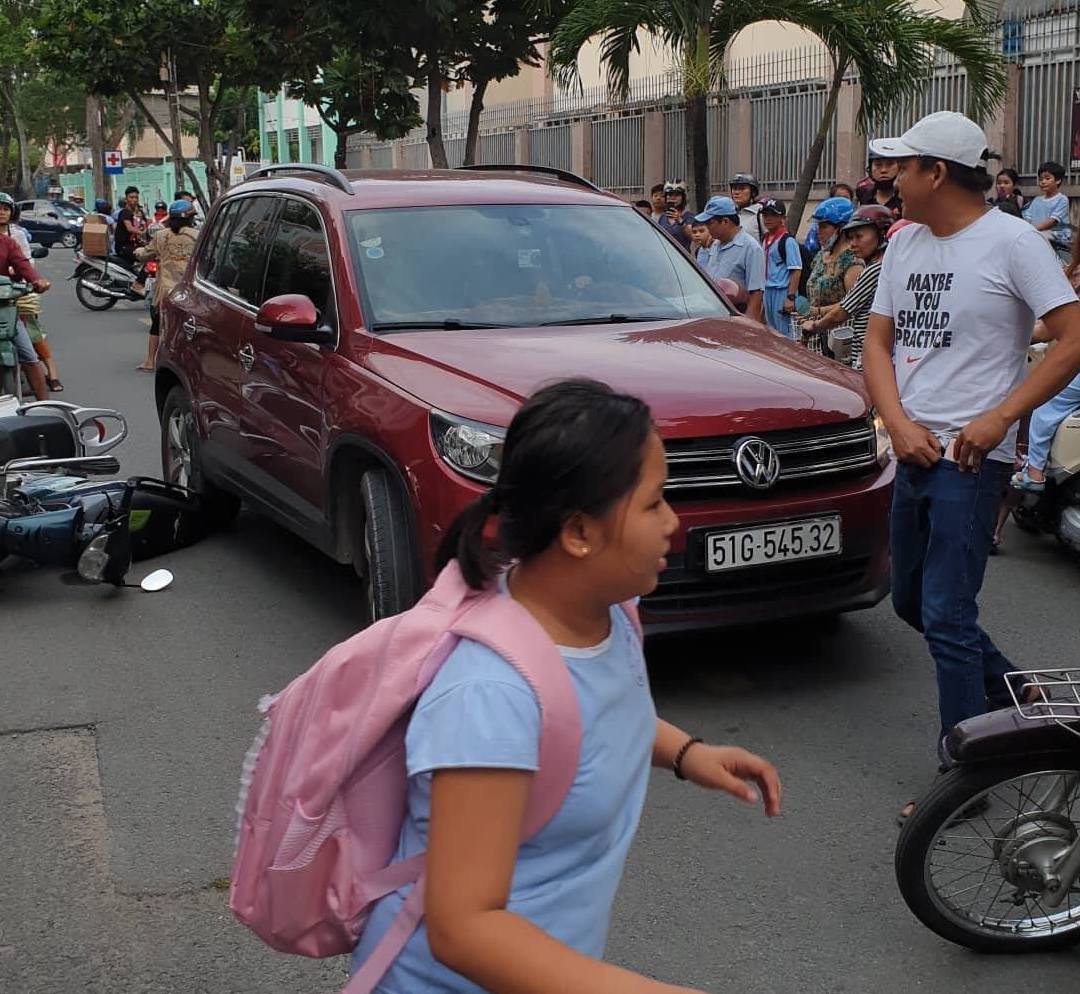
[[472, 448], [882, 442]]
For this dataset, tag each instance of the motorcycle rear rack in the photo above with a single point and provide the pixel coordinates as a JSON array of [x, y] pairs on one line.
[[1060, 693]]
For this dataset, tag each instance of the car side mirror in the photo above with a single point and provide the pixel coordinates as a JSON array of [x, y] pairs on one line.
[[38, 252], [292, 317], [54, 215]]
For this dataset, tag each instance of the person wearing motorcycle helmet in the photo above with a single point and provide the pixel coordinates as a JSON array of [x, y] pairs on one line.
[[676, 219], [879, 187], [14, 263], [744, 189], [868, 233], [161, 211], [172, 246], [835, 267]]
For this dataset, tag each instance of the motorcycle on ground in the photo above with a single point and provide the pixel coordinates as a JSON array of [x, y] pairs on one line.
[[101, 282], [1056, 511], [52, 513]]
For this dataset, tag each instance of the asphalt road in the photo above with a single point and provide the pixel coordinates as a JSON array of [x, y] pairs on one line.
[[124, 718]]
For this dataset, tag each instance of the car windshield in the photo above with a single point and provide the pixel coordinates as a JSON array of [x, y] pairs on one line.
[[521, 266], [66, 211]]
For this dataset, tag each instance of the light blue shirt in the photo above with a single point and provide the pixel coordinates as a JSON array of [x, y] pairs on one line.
[[777, 270], [741, 260], [479, 712], [1044, 208]]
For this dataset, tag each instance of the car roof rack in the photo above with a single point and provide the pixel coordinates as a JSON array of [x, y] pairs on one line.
[[335, 177], [508, 167]]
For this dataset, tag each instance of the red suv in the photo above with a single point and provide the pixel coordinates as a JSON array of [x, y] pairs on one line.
[[345, 353]]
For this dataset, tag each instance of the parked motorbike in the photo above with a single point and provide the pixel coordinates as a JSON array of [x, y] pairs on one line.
[[990, 857], [1056, 510], [101, 282]]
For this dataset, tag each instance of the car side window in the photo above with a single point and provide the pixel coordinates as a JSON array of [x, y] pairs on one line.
[[300, 259], [241, 263], [218, 238]]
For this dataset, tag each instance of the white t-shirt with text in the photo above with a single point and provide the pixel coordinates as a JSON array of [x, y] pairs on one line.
[[963, 308]]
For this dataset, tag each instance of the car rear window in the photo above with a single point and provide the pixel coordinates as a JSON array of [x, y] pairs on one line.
[[521, 265]]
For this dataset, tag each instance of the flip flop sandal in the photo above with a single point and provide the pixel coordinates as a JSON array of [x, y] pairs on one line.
[[55, 386], [1022, 481]]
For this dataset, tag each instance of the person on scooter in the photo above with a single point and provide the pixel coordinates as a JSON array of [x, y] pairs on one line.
[[29, 307], [172, 246], [14, 264], [130, 231]]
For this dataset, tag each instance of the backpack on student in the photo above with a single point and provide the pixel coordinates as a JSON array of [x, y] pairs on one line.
[[323, 790], [804, 253]]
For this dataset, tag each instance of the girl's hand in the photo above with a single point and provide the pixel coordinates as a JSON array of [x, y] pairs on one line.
[[732, 769]]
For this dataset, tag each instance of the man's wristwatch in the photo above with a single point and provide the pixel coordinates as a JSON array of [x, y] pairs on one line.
[[792, 296]]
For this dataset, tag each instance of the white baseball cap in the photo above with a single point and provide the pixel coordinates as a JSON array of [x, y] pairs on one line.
[[944, 135]]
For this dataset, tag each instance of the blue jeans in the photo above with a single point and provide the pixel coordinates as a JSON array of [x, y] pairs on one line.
[[775, 318], [1046, 419], [942, 528]]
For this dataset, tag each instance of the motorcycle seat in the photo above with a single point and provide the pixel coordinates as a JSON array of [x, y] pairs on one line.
[[28, 437]]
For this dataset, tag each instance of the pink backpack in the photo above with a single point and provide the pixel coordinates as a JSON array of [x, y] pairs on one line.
[[323, 793]]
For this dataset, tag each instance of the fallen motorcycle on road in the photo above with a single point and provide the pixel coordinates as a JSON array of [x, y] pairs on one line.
[[54, 514]]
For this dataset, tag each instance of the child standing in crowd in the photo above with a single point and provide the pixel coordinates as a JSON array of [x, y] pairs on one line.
[[701, 241], [583, 527], [1050, 212], [1009, 197], [783, 267]]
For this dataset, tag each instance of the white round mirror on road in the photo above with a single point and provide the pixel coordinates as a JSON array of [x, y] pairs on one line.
[[158, 580]]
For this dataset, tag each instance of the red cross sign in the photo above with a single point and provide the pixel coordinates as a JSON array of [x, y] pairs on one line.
[[114, 162]]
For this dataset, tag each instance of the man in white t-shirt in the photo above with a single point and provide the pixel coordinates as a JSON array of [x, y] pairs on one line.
[[944, 359]]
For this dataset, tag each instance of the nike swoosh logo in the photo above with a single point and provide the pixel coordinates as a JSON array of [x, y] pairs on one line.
[[914, 358]]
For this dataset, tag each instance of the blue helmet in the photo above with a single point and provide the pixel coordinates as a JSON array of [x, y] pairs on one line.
[[101, 205], [178, 208], [836, 211]]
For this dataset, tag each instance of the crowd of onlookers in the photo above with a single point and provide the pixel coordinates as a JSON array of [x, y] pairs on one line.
[[818, 291]]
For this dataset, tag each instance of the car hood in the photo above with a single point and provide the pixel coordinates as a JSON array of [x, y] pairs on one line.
[[703, 377]]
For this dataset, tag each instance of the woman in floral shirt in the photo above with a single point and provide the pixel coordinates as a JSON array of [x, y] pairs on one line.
[[835, 268]]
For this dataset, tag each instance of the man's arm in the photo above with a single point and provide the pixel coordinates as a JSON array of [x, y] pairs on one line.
[[754, 307], [19, 265], [911, 442], [1047, 379]]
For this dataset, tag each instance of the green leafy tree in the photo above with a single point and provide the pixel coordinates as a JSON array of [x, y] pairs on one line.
[[894, 56], [887, 41]]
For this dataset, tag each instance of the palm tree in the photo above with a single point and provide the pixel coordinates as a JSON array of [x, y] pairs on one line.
[[894, 56], [698, 33]]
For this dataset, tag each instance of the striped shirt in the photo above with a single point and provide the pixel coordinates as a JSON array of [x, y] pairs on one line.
[[857, 305]]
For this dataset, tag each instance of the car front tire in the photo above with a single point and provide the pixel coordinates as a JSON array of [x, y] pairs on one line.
[[380, 541], [180, 462], [70, 240]]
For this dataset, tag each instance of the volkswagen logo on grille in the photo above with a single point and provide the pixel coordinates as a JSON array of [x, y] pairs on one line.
[[757, 463]]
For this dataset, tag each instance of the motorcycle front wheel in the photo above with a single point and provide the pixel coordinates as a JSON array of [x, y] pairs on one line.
[[90, 300], [973, 859]]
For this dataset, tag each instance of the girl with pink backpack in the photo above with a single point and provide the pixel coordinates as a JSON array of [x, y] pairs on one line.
[[575, 526]]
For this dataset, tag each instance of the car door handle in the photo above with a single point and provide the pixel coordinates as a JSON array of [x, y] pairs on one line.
[[191, 328], [247, 356]]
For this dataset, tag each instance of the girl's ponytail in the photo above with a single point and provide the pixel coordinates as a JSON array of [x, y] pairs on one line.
[[465, 542]]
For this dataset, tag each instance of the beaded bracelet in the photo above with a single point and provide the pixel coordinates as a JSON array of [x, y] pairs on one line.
[[676, 765]]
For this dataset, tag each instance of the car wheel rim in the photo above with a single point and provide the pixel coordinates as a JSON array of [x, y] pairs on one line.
[[178, 450], [987, 867], [68, 241]]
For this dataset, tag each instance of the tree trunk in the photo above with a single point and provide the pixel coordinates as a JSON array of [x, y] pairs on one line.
[[206, 140], [434, 115], [238, 129], [813, 157], [472, 133], [341, 148], [23, 187], [174, 151], [697, 152], [172, 103], [97, 147], [696, 89], [5, 154], [116, 134]]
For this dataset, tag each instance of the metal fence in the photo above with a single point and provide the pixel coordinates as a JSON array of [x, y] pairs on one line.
[[619, 154], [786, 92], [550, 146]]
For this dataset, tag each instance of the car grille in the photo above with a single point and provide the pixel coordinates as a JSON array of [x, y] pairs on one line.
[[700, 466], [808, 580]]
